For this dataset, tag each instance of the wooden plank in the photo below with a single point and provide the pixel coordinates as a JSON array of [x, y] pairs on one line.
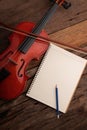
[[13, 12], [27, 113], [24, 113], [74, 35]]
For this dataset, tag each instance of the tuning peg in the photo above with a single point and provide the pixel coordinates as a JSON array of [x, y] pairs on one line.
[[65, 4]]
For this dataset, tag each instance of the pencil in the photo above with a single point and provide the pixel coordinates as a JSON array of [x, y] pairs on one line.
[[57, 103]]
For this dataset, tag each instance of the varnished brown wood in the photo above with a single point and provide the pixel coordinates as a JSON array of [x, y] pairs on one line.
[[74, 35], [24, 113], [15, 11]]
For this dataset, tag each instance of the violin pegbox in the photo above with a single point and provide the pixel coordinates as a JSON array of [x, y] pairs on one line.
[[65, 4]]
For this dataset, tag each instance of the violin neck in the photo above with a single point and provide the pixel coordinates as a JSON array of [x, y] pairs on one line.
[[37, 29]]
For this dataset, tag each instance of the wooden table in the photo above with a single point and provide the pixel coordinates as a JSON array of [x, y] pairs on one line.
[[24, 113]]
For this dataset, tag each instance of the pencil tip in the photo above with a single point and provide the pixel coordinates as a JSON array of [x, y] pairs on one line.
[[58, 116]]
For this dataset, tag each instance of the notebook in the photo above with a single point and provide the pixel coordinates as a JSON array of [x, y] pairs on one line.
[[58, 67]]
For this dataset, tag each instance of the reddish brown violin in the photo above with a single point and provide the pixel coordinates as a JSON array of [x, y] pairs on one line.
[[14, 60]]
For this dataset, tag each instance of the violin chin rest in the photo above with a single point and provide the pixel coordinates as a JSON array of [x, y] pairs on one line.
[[4, 74]]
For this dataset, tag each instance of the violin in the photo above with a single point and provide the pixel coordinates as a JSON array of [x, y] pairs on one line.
[[22, 49]]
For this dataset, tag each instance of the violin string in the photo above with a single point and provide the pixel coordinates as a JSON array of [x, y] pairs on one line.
[[38, 28], [40, 38]]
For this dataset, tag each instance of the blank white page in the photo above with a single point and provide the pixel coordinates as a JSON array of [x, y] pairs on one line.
[[58, 67]]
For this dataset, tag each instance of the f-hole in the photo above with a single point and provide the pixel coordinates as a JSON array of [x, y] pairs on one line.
[[19, 71]]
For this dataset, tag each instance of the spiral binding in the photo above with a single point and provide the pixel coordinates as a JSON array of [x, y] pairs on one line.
[[39, 69]]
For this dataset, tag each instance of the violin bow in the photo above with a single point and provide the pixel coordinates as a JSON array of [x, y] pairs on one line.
[[66, 5], [44, 39]]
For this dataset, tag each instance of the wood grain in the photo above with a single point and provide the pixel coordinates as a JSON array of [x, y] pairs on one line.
[[74, 35], [24, 113], [16, 11]]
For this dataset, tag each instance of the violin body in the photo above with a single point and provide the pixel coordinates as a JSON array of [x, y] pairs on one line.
[[14, 62], [22, 49]]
